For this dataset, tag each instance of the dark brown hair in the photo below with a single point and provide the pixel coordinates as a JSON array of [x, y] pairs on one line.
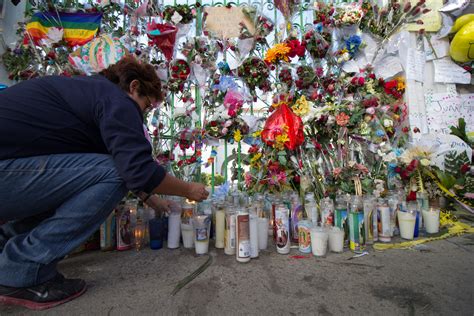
[[128, 69]]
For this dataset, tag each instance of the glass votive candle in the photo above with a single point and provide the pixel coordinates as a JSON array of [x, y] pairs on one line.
[[407, 221], [319, 241], [336, 240], [431, 220]]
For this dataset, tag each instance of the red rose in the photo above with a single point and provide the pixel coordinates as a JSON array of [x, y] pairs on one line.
[[465, 168], [411, 196]]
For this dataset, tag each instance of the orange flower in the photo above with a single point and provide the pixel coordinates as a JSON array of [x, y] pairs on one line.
[[342, 119], [277, 53]]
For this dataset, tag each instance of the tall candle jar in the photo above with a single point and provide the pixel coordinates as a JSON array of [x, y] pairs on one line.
[[295, 216], [282, 227], [174, 223], [356, 224], [369, 209], [341, 215], [319, 241], [242, 233], [187, 233], [336, 239], [431, 219], [253, 232], [304, 234], [202, 230], [327, 212], [394, 203], [311, 208], [229, 233], [220, 225], [382, 220], [263, 232]]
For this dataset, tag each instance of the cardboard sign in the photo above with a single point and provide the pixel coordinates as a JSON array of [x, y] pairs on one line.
[[224, 22]]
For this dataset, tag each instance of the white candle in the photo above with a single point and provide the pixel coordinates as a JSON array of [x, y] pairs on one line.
[[253, 236], [319, 241], [229, 234], [407, 221], [174, 230], [262, 233], [431, 219], [336, 240], [188, 235], [202, 227], [220, 228]]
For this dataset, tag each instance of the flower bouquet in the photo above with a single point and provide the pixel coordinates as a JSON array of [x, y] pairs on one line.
[[179, 73], [254, 72]]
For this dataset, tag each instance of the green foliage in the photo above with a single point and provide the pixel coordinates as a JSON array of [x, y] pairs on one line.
[[453, 162], [206, 179], [460, 131]]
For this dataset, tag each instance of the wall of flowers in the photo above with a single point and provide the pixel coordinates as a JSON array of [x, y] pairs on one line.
[[292, 96]]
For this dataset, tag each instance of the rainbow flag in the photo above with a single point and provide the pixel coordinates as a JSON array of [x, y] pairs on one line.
[[79, 27]]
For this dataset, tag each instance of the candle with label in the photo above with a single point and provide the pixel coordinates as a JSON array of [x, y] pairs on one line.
[[229, 233], [187, 232], [282, 226], [242, 233], [202, 229], [304, 240]]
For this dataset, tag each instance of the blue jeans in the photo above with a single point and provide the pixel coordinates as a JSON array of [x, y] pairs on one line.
[[52, 204]]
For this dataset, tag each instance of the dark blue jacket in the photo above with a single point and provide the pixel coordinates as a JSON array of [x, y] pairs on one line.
[[52, 115]]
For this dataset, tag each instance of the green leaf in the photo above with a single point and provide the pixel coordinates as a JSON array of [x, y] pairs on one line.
[[447, 180], [282, 160]]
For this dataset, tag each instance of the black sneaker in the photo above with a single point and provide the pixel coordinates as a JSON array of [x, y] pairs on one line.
[[49, 294]]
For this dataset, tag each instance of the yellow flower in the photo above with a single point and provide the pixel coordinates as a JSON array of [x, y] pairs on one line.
[[255, 158], [400, 83], [280, 141], [277, 53], [237, 136], [301, 106], [257, 134]]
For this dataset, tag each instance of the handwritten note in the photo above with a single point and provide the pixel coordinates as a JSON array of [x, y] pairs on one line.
[[416, 106], [431, 20], [225, 22], [446, 71], [436, 48], [415, 68], [442, 145], [444, 110], [388, 67]]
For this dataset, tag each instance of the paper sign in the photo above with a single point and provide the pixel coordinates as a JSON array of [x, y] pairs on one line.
[[447, 71], [452, 5], [388, 67], [436, 48], [444, 110], [415, 68], [442, 145], [225, 22], [431, 20], [416, 106]]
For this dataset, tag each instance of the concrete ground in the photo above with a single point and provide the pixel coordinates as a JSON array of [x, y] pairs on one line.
[[438, 280]]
